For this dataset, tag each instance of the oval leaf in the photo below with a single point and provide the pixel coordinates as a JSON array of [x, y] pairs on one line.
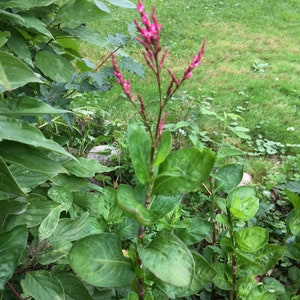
[[251, 239], [163, 148], [99, 261], [169, 259]]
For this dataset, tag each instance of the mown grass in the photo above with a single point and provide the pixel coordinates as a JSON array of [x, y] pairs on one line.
[[251, 65]]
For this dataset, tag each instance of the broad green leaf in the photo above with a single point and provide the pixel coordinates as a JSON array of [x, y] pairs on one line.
[[4, 35], [293, 247], [127, 229], [222, 219], [194, 230], [132, 296], [228, 152], [8, 183], [29, 158], [50, 223], [259, 262], [245, 285], [36, 25], [88, 35], [88, 201], [223, 278], [85, 12], [41, 285], [293, 222], [139, 148], [102, 6], [72, 183], [54, 66], [229, 176], [260, 292], [128, 202], [183, 171], [20, 131], [203, 275], [74, 289], [122, 3], [243, 203], [11, 207], [106, 266], [70, 229], [28, 4], [61, 195], [85, 167], [12, 245], [37, 210], [27, 106], [163, 148], [294, 199], [251, 239], [165, 255], [15, 72], [4, 82]]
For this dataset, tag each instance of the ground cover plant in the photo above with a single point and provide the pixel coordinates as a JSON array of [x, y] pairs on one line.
[[66, 235]]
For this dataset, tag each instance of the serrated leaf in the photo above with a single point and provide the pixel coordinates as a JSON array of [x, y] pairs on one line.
[[50, 223], [183, 171], [139, 148], [106, 266], [165, 255], [12, 245], [15, 72], [54, 66], [41, 285], [131, 65]]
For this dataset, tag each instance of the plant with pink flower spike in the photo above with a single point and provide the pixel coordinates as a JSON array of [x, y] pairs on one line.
[[156, 167]]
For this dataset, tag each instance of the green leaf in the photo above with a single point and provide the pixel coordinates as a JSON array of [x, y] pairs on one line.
[[194, 230], [139, 148], [128, 202], [41, 285], [11, 207], [243, 203], [20, 131], [203, 275], [4, 36], [183, 171], [293, 247], [293, 222], [29, 158], [223, 278], [74, 289], [27, 106], [106, 266], [259, 262], [37, 210], [35, 25], [245, 285], [163, 148], [12, 245], [50, 223], [28, 4], [85, 12], [228, 152], [127, 63], [122, 3], [127, 229], [15, 72], [54, 66], [4, 82], [294, 199], [251, 239], [70, 229], [260, 292], [229, 176], [165, 255], [8, 184], [61, 195]]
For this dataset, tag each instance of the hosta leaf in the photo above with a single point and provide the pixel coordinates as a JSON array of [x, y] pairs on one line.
[[183, 171], [229, 176], [139, 147], [128, 202], [29, 158], [12, 245], [106, 266], [60, 69], [251, 239], [165, 255], [73, 287], [15, 72], [41, 285], [163, 148], [22, 132], [27, 106], [203, 275], [50, 223]]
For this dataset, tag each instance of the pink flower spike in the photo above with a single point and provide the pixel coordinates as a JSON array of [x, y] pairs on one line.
[[188, 75], [163, 58], [140, 7]]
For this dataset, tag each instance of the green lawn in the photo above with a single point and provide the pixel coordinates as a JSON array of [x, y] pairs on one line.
[[251, 66]]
